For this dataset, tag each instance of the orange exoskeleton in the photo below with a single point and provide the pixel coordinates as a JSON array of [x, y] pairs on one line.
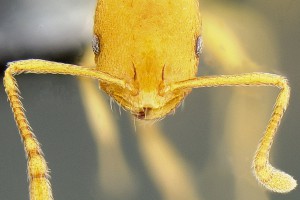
[[146, 55], [152, 47]]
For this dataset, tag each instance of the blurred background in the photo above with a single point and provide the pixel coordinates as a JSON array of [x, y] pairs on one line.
[[210, 141]]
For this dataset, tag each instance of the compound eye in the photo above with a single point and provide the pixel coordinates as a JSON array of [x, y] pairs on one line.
[[96, 45], [199, 46]]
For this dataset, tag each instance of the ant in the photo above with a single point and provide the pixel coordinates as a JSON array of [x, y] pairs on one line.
[[146, 55]]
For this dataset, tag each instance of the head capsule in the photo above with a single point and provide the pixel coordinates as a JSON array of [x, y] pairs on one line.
[[149, 44]]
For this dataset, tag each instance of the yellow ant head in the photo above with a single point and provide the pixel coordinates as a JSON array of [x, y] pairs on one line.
[[149, 45]]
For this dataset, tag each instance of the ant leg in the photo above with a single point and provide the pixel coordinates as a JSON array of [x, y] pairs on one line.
[[38, 176], [168, 170], [273, 179]]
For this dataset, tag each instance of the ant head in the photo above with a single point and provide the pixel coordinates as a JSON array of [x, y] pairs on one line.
[[147, 44]]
